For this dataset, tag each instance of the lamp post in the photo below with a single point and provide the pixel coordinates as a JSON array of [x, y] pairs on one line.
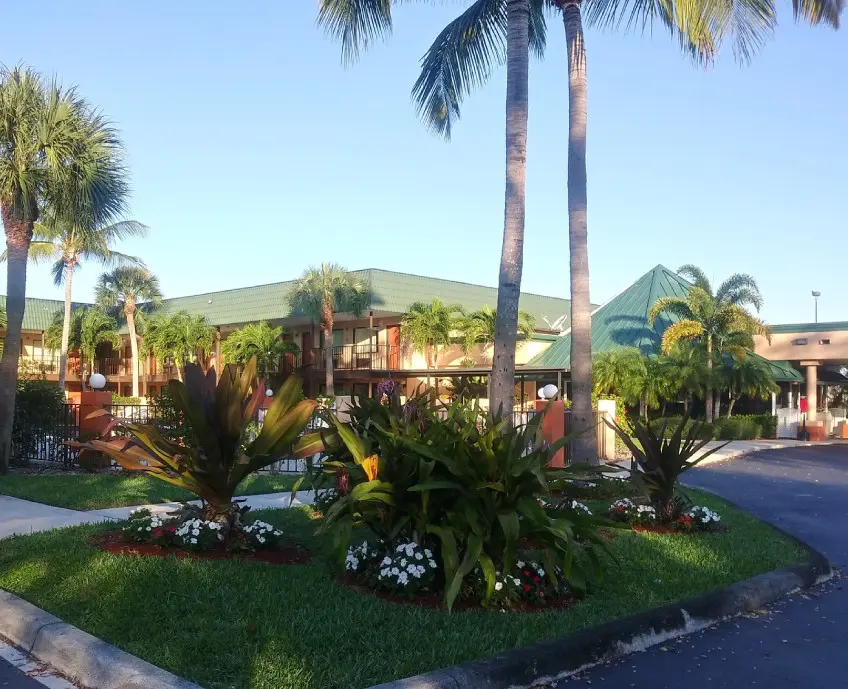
[[97, 381], [816, 296]]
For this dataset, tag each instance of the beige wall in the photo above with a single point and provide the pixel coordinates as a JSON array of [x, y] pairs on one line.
[[782, 347]]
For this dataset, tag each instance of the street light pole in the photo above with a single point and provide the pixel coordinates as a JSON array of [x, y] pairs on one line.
[[816, 296]]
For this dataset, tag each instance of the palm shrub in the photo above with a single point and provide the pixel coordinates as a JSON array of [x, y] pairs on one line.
[[662, 457], [458, 479], [218, 415]]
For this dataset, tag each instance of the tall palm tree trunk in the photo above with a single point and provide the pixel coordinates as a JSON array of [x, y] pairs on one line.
[[18, 239], [66, 326], [708, 402], [585, 445], [328, 350], [512, 250], [130, 314]]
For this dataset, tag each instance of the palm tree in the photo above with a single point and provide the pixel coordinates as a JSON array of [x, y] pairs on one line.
[[123, 289], [257, 341], [68, 245], [320, 293], [56, 152], [480, 326], [749, 376], [686, 365], [3, 322], [180, 336], [89, 328], [619, 371], [356, 25], [720, 321], [427, 327]]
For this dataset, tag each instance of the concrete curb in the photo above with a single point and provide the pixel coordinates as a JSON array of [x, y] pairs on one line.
[[80, 656], [548, 661]]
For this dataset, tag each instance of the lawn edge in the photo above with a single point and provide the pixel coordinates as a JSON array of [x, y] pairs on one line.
[[548, 661], [77, 654]]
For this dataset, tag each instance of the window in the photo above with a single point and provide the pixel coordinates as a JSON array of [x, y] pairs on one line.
[[800, 341], [825, 341]]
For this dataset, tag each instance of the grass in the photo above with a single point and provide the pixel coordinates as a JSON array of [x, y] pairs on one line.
[[98, 491], [230, 625]]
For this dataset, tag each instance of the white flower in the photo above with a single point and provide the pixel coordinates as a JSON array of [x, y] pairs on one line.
[[419, 556], [148, 528], [411, 569], [428, 553], [194, 541], [432, 563], [400, 548], [498, 586], [540, 572], [519, 564], [386, 561], [403, 562], [395, 571], [516, 581]]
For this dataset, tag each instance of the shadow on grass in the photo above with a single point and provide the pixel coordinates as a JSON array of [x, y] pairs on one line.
[[231, 624]]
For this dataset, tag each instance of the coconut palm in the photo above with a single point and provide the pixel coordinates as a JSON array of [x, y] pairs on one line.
[[479, 327], [122, 290], [320, 293], [749, 376], [257, 341], [720, 321], [179, 336], [56, 152], [357, 24], [68, 245], [88, 328], [426, 327]]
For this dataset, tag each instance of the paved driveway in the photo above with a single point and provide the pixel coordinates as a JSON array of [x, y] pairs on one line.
[[801, 643]]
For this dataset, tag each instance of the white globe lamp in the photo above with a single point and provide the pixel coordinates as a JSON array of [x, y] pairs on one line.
[[549, 391], [97, 381], [269, 393], [541, 393]]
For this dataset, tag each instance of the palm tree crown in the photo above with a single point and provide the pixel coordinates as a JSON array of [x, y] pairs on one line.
[[180, 336], [259, 341], [427, 326], [479, 327]]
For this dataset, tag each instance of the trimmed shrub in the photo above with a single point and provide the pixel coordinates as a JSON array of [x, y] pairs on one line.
[[738, 428], [708, 430]]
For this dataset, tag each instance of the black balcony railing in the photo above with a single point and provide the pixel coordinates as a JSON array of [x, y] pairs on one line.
[[361, 357]]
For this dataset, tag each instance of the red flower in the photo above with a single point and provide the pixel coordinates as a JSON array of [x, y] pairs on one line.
[[527, 587], [171, 529], [527, 572], [536, 579], [157, 533]]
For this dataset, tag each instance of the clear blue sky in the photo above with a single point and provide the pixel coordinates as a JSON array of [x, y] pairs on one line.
[[254, 152]]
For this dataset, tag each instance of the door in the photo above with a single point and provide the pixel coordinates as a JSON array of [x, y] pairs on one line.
[[393, 338]]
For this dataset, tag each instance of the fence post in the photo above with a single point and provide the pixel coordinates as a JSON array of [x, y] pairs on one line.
[[606, 409], [553, 428], [90, 401]]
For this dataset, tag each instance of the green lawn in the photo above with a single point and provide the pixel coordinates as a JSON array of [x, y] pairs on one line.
[[97, 491], [230, 625]]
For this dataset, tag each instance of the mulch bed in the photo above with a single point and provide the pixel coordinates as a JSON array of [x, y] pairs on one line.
[[115, 543], [434, 601]]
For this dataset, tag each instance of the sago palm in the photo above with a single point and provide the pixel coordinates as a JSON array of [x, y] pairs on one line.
[[68, 245], [720, 321], [358, 24], [56, 152], [320, 293], [426, 327], [122, 290], [180, 336]]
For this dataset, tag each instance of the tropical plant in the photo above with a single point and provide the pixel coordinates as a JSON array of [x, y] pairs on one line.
[[56, 152], [68, 245], [3, 322], [720, 321], [479, 327], [686, 368], [122, 290], [467, 388], [662, 457], [259, 341], [218, 414], [180, 336], [750, 376], [38, 405], [320, 293], [426, 328], [456, 477], [619, 371], [88, 329]]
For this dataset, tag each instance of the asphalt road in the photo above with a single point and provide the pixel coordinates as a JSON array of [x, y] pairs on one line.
[[801, 642], [12, 678]]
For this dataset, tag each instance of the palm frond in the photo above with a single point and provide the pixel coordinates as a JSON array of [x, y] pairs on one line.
[[740, 288], [356, 24], [675, 306], [678, 331], [696, 276], [819, 11], [747, 24]]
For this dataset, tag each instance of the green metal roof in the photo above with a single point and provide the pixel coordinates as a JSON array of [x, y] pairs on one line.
[[623, 320], [390, 292], [39, 313], [810, 327], [783, 371]]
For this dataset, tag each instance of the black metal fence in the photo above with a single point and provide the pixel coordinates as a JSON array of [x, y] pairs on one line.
[[45, 440]]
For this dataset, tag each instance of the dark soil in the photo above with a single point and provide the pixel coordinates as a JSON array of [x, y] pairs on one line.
[[115, 543]]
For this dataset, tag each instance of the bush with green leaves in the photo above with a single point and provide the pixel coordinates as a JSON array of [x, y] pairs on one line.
[[706, 430], [456, 477], [123, 399], [747, 427], [661, 457], [39, 406]]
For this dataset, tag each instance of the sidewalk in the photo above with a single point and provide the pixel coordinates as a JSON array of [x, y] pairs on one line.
[[24, 517], [740, 448]]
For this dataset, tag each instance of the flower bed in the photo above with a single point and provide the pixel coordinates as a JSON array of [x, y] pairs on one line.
[[679, 519]]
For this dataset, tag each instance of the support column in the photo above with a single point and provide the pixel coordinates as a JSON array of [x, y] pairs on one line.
[[774, 404], [812, 390]]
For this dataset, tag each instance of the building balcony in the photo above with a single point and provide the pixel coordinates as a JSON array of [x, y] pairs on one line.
[[365, 357]]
